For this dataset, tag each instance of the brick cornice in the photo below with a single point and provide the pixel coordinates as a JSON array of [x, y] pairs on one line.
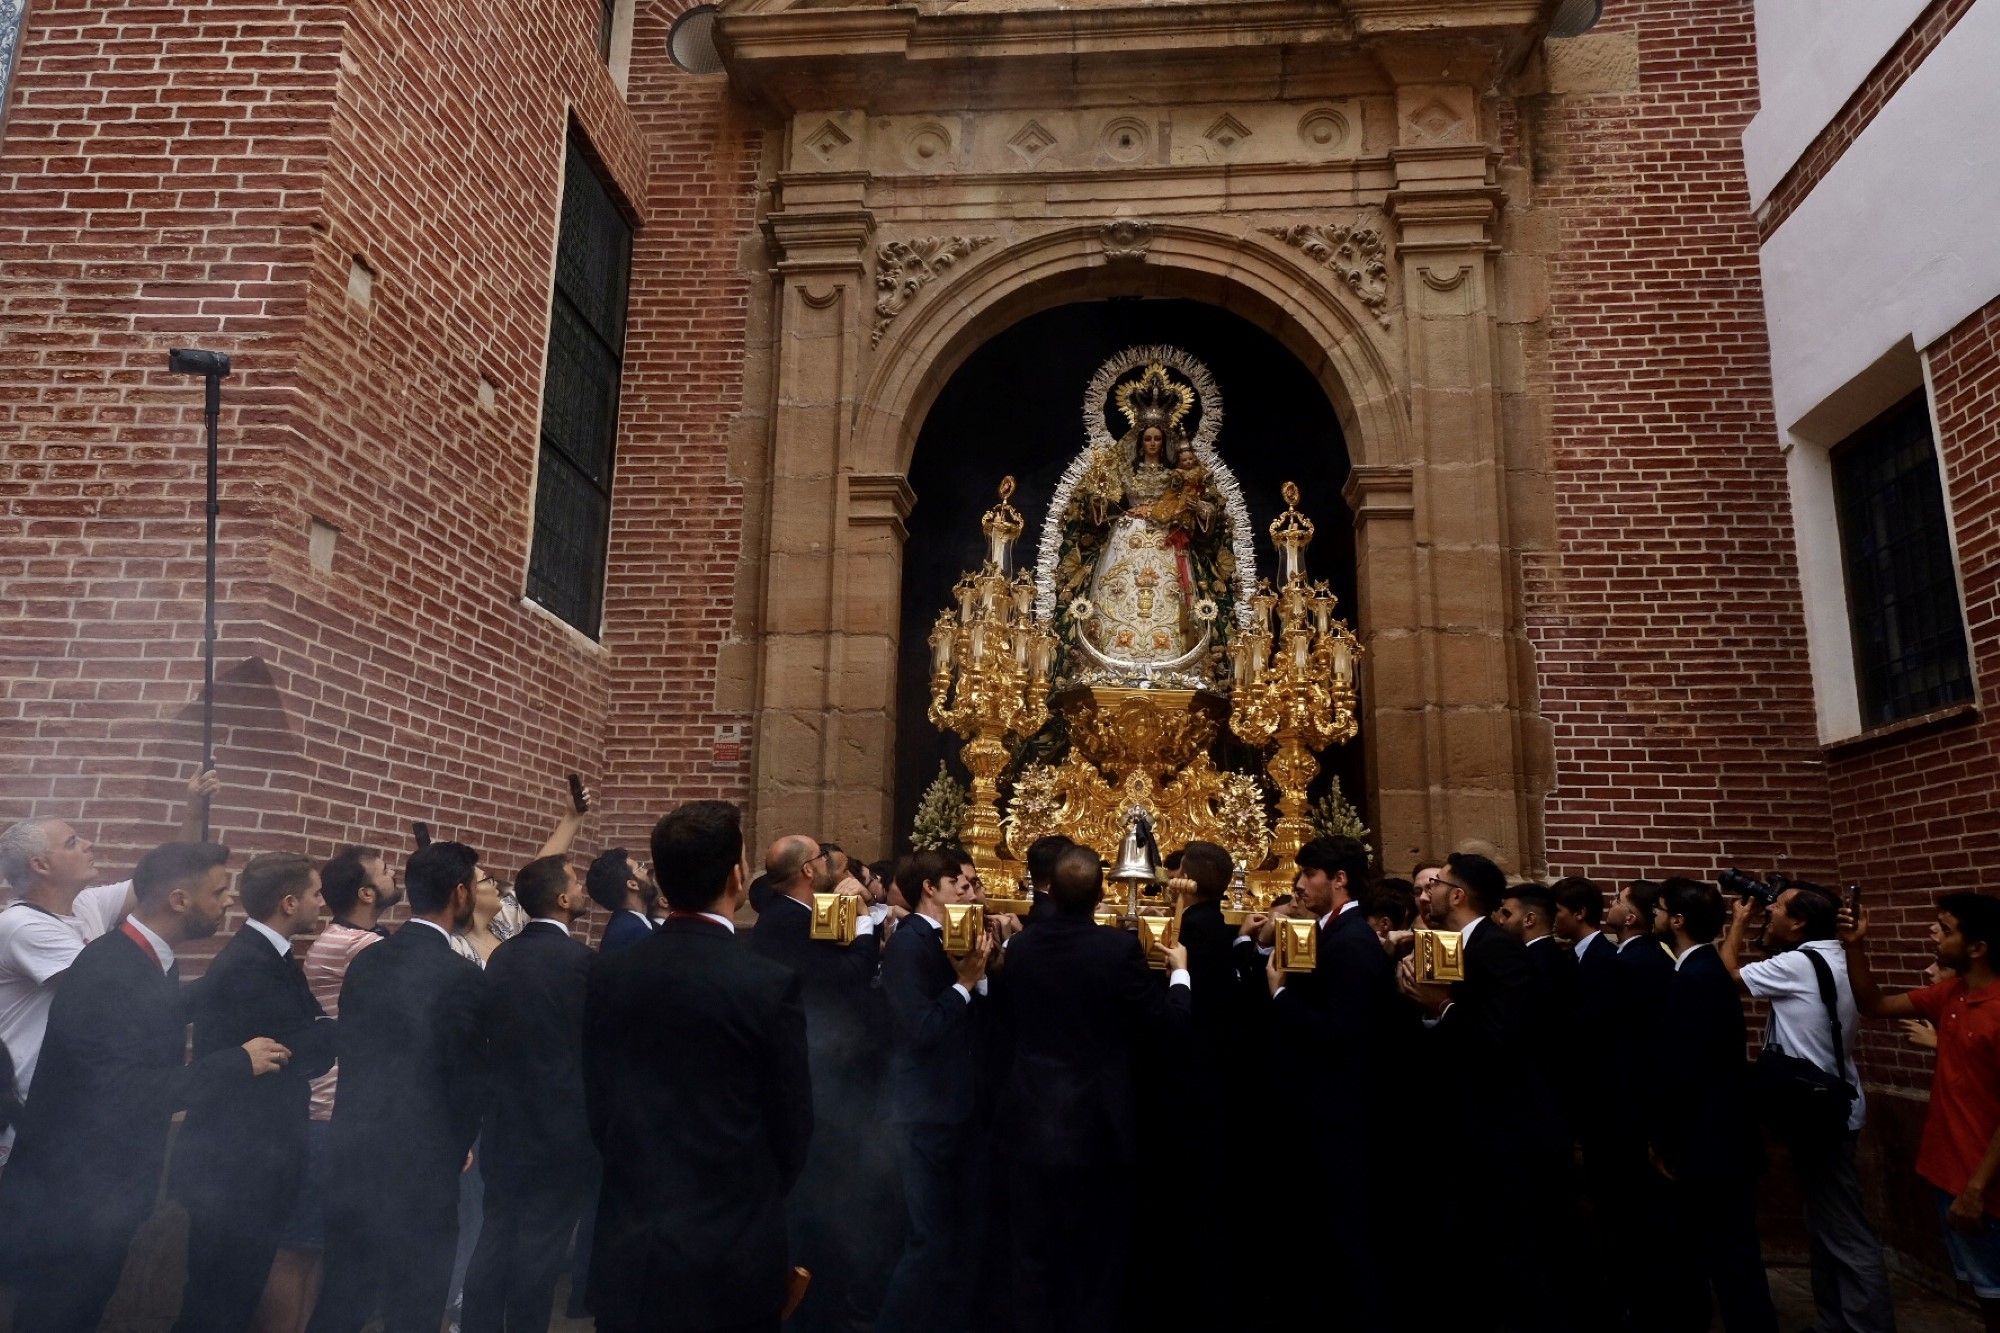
[[1859, 111]]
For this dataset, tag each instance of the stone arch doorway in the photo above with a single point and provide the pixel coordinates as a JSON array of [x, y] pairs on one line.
[[1012, 408], [859, 357]]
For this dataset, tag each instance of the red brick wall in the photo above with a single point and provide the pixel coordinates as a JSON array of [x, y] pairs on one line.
[[1920, 815], [180, 174], [1670, 650]]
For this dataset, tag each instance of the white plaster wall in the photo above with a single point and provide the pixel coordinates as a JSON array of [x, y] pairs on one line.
[[1891, 250], [1811, 56], [1899, 240]]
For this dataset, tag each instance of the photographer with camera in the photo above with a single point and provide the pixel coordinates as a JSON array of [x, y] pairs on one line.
[[1809, 1089]]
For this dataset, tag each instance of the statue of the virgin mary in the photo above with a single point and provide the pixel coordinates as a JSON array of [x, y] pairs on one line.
[[1144, 580]]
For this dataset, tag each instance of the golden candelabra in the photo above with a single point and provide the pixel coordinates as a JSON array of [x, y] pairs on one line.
[[990, 667], [1294, 680]]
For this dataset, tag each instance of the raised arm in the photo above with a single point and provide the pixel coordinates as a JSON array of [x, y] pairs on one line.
[[1731, 947], [201, 789], [1869, 998]]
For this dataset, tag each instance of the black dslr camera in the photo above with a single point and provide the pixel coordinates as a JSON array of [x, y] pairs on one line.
[[1764, 891]]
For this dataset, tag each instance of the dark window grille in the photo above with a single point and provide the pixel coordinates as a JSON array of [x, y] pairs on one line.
[[1902, 591], [607, 19], [580, 399]]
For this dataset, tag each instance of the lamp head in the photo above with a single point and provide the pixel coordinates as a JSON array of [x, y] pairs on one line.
[[196, 361]]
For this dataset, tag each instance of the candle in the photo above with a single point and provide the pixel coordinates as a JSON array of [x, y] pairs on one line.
[[942, 636], [1343, 660]]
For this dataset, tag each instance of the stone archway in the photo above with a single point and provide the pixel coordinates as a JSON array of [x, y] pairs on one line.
[[1411, 376]]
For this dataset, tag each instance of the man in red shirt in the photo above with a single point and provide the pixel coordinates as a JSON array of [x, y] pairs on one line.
[[1960, 1152]]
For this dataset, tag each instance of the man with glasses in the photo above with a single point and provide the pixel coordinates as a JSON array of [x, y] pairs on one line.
[[845, 1056]]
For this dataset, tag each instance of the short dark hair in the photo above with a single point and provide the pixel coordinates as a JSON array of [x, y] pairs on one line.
[[1333, 855], [271, 878], [1281, 900], [1537, 896], [433, 872], [171, 865], [1581, 896], [1209, 867], [1485, 883], [343, 877], [605, 881], [694, 850], [1042, 854], [1078, 882], [1816, 910], [1698, 904], [928, 866], [540, 883], [1978, 918], [959, 855], [1395, 899], [1645, 895]]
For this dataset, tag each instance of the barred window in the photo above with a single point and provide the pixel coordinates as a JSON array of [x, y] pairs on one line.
[[1902, 591], [607, 21], [580, 399]]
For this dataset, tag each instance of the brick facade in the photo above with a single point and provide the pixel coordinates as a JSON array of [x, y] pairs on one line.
[[1670, 650], [214, 177]]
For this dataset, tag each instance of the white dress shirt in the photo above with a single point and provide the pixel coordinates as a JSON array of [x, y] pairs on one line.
[[1584, 943], [426, 921], [277, 941], [1690, 953]]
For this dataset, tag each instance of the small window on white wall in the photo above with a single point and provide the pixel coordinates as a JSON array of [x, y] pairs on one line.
[[614, 38], [1896, 554]]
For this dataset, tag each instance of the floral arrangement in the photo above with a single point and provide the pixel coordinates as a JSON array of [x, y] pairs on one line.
[[940, 814]]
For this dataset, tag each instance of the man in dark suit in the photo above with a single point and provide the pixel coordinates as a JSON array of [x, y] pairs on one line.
[[699, 1101], [1703, 1129], [845, 1048], [1042, 854], [93, 1135], [1344, 1031], [1588, 1047], [1643, 969], [625, 891], [240, 1156], [932, 1101], [535, 1151], [1528, 913], [1079, 994], [412, 1083], [1484, 1037]]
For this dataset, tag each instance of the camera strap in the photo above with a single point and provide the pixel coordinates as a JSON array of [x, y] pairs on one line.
[[1828, 995]]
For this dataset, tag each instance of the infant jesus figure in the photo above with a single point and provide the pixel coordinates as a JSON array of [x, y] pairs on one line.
[[1184, 506]]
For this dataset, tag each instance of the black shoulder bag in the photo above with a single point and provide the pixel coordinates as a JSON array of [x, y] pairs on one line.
[[1797, 1099]]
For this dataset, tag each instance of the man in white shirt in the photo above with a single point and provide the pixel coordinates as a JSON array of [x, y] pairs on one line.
[[46, 865], [1850, 1288]]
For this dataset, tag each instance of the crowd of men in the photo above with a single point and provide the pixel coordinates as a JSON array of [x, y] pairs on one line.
[[1043, 1130]]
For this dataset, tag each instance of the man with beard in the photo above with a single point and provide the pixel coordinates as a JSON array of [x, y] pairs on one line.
[[846, 1054], [1483, 1035], [628, 893], [94, 1134], [412, 1083]]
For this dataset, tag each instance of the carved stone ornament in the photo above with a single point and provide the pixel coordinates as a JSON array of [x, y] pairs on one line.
[[1126, 239], [904, 268], [1356, 253]]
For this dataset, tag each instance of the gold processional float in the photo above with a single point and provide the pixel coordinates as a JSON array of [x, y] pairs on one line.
[[1096, 685]]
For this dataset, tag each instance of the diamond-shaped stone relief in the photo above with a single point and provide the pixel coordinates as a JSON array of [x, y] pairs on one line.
[[1434, 120], [826, 141], [1031, 141], [1226, 132]]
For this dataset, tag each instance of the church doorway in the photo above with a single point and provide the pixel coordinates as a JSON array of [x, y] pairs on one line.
[[1014, 407]]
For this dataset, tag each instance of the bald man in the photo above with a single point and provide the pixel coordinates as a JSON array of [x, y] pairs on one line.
[[845, 1054]]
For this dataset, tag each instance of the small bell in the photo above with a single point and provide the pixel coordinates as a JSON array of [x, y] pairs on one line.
[[1135, 864]]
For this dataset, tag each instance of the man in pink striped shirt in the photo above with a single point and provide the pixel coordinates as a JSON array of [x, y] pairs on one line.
[[359, 887]]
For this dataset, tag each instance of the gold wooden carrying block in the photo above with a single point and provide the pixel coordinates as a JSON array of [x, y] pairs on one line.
[[834, 915], [1438, 957], [964, 923], [1298, 944], [1163, 931], [1105, 918]]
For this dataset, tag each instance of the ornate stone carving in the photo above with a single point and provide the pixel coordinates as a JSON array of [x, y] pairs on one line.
[[1356, 253], [1126, 239], [904, 268]]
